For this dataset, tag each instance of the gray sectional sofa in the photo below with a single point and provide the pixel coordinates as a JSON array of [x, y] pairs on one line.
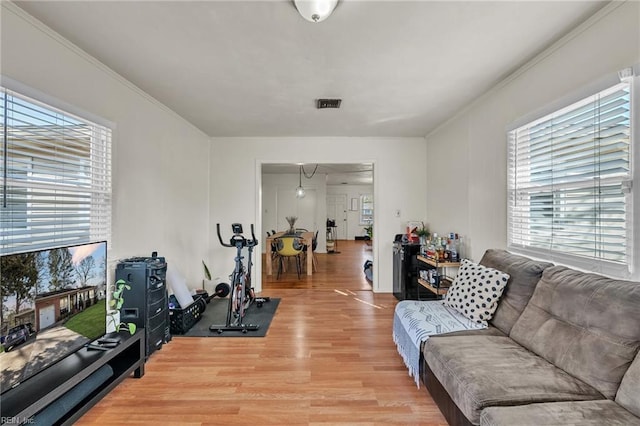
[[561, 349]]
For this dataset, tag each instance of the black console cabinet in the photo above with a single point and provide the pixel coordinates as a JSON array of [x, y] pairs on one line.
[[146, 303], [49, 390], [406, 272]]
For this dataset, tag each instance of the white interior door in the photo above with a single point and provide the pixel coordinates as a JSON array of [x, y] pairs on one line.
[[337, 210]]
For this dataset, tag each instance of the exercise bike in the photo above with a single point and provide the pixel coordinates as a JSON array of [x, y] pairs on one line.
[[242, 293]]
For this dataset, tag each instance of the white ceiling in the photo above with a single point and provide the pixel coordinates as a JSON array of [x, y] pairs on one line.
[[255, 68], [336, 174]]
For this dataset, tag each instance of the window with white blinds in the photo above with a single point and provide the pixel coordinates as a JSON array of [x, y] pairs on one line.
[[570, 179], [56, 177]]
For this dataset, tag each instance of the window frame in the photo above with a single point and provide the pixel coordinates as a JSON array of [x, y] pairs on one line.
[[102, 220], [366, 219], [628, 270]]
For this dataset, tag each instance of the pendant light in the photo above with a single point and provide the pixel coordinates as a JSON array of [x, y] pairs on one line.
[[300, 192]]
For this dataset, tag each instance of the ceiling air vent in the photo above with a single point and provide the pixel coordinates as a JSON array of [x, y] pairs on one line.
[[328, 103]]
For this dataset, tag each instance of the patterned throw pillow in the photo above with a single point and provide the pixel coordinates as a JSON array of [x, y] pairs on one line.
[[476, 291]]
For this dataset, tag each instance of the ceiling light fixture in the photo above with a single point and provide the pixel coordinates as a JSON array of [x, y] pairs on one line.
[[315, 10], [300, 192]]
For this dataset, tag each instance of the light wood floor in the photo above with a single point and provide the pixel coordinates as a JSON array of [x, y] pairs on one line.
[[328, 358], [344, 269]]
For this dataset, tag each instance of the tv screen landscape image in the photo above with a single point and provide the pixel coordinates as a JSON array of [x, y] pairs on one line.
[[53, 303]]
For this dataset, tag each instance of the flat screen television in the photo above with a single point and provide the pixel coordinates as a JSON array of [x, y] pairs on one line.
[[53, 302]]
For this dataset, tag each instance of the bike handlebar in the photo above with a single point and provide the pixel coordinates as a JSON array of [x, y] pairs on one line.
[[220, 236], [253, 236], [238, 238]]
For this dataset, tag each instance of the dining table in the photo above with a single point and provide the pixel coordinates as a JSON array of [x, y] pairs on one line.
[[305, 237]]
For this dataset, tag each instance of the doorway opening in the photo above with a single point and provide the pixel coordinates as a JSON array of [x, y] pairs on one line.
[[330, 209]]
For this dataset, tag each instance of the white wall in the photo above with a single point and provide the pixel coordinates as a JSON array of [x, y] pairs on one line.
[[272, 182], [399, 176], [353, 216], [467, 156], [160, 162], [273, 217]]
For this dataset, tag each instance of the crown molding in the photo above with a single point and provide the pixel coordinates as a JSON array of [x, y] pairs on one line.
[[535, 60], [10, 6]]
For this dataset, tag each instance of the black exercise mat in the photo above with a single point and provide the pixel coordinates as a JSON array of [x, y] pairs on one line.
[[216, 313]]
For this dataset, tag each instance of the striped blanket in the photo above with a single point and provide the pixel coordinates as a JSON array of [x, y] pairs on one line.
[[414, 321]]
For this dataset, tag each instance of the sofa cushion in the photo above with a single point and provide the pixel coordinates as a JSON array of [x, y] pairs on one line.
[[629, 392], [476, 290], [583, 413], [483, 371], [489, 331], [525, 274], [585, 324], [414, 321]]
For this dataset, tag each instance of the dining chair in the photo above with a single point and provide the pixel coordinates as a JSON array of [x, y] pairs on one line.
[[274, 249], [288, 247], [314, 245]]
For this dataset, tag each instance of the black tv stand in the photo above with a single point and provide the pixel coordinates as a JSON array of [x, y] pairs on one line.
[[52, 389]]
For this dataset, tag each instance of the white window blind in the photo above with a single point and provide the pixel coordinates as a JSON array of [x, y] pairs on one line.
[[56, 177], [569, 181]]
